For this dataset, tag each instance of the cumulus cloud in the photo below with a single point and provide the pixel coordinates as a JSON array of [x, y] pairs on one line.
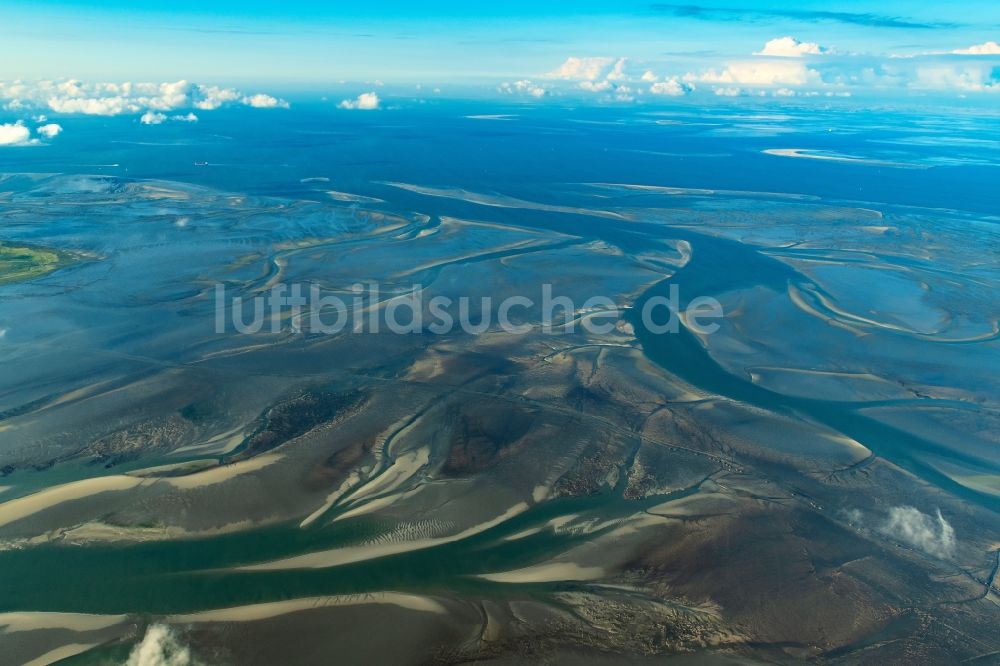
[[617, 72], [584, 69], [210, 98], [365, 102], [523, 87], [595, 86], [262, 101], [672, 87], [93, 106], [112, 99], [49, 131], [931, 534], [156, 118], [18, 134], [986, 48], [965, 78], [649, 76], [624, 93], [152, 118], [14, 134], [159, 647], [789, 47], [780, 73], [727, 92]]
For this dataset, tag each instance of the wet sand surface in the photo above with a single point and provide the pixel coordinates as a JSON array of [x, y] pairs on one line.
[[829, 452]]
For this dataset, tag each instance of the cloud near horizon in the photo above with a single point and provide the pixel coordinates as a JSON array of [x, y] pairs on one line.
[[263, 101], [113, 99], [789, 47], [583, 69], [19, 134], [986, 48], [50, 130], [14, 134], [368, 101], [778, 73], [672, 87], [522, 87]]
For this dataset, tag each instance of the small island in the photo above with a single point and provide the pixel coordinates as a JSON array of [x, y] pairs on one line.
[[20, 263]]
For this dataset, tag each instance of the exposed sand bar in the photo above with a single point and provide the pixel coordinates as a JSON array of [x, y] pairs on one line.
[[851, 319], [22, 507], [31, 621], [339, 556], [492, 116], [272, 609], [351, 198], [833, 157], [699, 192], [500, 201], [352, 480], [546, 573], [60, 653], [373, 505], [223, 473], [401, 470]]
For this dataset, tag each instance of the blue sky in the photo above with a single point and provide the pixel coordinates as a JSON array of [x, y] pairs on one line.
[[443, 40], [196, 56]]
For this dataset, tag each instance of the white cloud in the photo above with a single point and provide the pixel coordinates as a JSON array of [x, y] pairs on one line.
[[112, 99], [599, 86], [159, 647], [728, 92], [156, 118], [262, 101], [523, 87], [649, 76], [583, 69], [49, 131], [14, 134], [779, 73], [213, 97], [93, 106], [365, 102], [617, 72], [965, 78], [163, 97], [931, 534], [672, 87], [152, 118], [789, 47], [986, 48]]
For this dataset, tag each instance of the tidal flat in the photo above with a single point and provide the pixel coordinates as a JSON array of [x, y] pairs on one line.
[[830, 452]]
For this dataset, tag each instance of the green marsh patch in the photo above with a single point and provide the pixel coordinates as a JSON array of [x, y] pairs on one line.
[[21, 263]]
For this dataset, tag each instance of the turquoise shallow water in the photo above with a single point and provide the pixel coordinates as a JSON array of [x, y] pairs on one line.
[[189, 575], [249, 151]]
